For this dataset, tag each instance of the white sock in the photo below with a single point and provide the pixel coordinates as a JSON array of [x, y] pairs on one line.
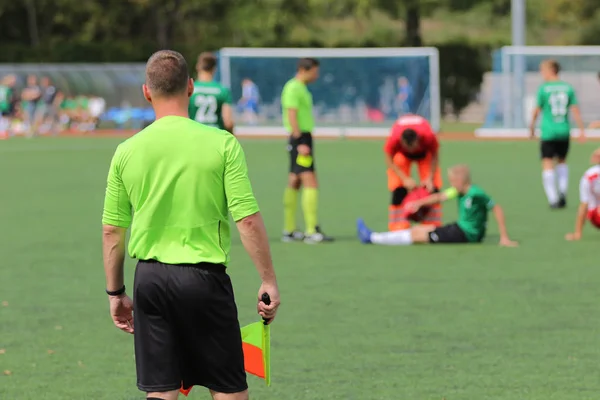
[[397, 238], [562, 174], [549, 180]]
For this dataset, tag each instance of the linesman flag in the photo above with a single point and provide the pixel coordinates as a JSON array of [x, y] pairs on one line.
[[256, 343]]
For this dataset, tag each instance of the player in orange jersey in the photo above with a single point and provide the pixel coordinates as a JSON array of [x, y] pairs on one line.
[[412, 140]]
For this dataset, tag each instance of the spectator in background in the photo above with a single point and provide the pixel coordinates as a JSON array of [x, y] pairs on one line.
[[30, 98], [45, 111], [7, 103], [97, 106], [595, 124], [405, 96], [248, 104], [67, 111]]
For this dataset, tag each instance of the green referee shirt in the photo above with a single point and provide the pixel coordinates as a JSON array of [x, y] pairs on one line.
[[174, 183], [295, 95]]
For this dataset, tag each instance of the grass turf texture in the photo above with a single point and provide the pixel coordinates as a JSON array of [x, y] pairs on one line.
[[357, 322]]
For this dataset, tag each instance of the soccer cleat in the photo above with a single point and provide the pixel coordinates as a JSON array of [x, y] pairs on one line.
[[295, 236], [364, 233], [317, 237], [555, 206], [562, 201]]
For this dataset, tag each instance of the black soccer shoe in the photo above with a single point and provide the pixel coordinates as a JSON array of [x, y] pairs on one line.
[[295, 236], [562, 201], [318, 237]]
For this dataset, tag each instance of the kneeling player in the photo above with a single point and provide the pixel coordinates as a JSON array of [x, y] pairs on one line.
[[589, 198], [412, 140], [473, 207]]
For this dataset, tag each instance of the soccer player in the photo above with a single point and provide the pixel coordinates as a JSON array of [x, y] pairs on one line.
[[473, 207], [555, 101], [589, 197], [174, 183], [297, 104], [411, 140], [211, 102]]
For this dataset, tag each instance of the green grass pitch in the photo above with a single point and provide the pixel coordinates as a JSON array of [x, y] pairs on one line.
[[357, 322]]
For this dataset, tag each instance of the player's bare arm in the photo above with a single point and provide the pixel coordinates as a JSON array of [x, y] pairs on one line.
[[578, 120], [435, 162], [113, 250], [534, 117], [296, 133], [409, 183], [256, 242], [430, 200], [501, 221], [227, 115], [579, 222]]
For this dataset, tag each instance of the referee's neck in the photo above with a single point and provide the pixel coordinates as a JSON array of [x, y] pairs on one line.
[[171, 107]]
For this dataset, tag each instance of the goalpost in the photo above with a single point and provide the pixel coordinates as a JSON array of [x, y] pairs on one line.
[[359, 93], [515, 81]]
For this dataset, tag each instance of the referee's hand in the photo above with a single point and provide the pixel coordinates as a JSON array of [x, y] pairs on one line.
[[268, 312], [121, 311]]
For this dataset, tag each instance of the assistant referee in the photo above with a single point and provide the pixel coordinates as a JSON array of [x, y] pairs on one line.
[[174, 184]]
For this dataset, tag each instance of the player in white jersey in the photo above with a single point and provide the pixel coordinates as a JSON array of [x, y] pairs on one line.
[[589, 198]]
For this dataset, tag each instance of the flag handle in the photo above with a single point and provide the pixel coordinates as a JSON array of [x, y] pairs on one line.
[[265, 298]]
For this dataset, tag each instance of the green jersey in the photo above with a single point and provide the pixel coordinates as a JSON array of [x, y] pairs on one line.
[[6, 95], [206, 103], [473, 207], [174, 183], [82, 102], [295, 95], [68, 104], [555, 100]]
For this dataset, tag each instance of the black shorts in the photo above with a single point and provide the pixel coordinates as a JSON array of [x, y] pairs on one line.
[[186, 328], [450, 233], [554, 148], [305, 138]]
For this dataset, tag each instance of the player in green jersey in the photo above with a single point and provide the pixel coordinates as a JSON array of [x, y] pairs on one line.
[[473, 207], [555, 101], [297, 108], [211, 102], [7, 102]]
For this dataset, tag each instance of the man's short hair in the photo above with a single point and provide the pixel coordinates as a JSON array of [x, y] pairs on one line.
[[553, 65], [409, 136], [207, 62], [307, 63], [167, 73]]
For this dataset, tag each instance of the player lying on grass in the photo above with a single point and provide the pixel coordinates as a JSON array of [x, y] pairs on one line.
[[473, 207], [589, 198], [411, 141]]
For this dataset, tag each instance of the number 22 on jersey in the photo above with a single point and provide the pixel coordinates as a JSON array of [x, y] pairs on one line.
[[559, 104], [206, 112]]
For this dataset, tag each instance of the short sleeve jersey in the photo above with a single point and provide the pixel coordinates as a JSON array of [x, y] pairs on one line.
[[174, 183], [295, 95], [428, 143], [555, 100], [6, 98], [589, 187], [206, 103], [82, 102], [473, 208]]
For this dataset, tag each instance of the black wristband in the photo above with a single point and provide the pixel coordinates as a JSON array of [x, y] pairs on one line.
[[116, 292]]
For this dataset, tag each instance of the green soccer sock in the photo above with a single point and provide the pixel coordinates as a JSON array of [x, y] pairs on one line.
[[310, 206], [290, 203]]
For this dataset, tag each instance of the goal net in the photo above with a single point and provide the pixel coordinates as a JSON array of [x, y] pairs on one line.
[[360, 92], [515, 80]]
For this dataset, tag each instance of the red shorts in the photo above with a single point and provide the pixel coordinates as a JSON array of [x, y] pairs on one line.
[[594, 217]]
